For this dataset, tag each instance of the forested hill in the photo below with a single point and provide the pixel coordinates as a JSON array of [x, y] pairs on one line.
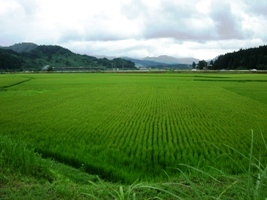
[[22, 47], [27, 56], [253, 58]]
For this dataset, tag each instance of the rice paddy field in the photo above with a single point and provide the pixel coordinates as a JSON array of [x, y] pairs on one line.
[[129, 126]]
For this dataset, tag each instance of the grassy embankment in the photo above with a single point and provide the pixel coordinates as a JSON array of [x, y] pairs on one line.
[[25, 175]]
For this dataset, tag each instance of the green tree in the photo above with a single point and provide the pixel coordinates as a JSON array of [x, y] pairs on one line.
[[50, 68], [202, 64]]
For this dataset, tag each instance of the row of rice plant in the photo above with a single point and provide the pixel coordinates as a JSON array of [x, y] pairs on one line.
[[125, 127]]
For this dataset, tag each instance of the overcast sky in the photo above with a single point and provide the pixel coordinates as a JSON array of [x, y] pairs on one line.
[[137, 28]]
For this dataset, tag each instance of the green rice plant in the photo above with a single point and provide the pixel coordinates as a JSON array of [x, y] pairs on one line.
[[9, 80], [117, 121], [251, 185]]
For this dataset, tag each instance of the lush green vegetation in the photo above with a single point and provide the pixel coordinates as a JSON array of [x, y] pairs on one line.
[[125, 127], [27, 56], [253, 58], [25, 175]]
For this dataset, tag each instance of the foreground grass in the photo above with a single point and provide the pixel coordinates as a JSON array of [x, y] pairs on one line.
[[24, 174]]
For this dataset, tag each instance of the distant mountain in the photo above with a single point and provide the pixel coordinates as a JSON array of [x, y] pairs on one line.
[[22, 47], [171, 60], [10, 59], [31, 56], [143, 63], [156, 65], [107, 57], [166, 62], [188, 60]]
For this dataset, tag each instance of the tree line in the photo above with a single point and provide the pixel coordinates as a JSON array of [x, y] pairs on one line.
[[246, 59]]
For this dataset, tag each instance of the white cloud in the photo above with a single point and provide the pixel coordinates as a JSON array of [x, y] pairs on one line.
[[258, 7], [199, 28]]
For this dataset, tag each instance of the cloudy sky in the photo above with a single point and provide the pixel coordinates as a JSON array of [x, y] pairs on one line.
[[137, 28]]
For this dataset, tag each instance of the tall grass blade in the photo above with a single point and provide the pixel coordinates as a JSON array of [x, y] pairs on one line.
[[226, 189], [162, 190], [199, 170], [250, 163], [190, 183]]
